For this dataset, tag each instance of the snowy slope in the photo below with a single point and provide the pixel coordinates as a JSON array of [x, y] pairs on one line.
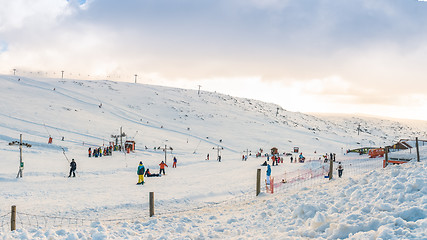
[[156, 116]]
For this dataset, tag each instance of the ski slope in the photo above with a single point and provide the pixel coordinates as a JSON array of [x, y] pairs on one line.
[[201, 198]]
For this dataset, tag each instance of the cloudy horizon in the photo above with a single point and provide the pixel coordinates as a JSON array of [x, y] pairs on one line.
[[355, 56]]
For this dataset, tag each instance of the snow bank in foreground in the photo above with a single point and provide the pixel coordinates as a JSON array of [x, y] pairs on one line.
[[386, 203]]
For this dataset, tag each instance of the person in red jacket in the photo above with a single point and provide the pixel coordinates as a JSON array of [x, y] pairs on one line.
[[162, 168]]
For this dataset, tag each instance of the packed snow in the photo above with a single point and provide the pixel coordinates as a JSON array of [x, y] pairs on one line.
[[200, 199]]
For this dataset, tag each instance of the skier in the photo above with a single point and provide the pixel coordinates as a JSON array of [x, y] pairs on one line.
[[292, 159], [73, 168], [174, 162], [301, 158], [207, 157], [162, 168], [340, 169], [268, 174], [140, 172], [148, 174], [90, 152]]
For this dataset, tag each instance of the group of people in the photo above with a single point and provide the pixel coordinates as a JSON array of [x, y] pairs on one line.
[[99, 152], [146, 173], [141, 169], [340, 167]]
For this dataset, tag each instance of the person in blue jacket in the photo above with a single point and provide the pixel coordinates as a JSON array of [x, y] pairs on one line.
[[268, 173], [140, 172]]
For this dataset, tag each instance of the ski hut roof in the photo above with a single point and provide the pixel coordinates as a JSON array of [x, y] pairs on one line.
[[408, 143], [274, 150]]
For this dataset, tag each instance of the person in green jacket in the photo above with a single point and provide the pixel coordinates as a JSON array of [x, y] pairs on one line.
[[140, 172]]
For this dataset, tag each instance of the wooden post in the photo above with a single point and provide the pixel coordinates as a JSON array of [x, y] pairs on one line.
[[258, 181], [331, 166], [386, 156], [165, 154], [418, 150], [20, 157], [121, 140], [13, 219], [151, 204]]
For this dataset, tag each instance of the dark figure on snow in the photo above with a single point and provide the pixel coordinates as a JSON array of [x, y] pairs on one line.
[[149, 174], [340, 169], [73, 168]]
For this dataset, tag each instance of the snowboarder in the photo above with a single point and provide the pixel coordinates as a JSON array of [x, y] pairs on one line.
[[174, 162], [148, 174], [162, 168], [140, 172], [73, 167], [340, 169]]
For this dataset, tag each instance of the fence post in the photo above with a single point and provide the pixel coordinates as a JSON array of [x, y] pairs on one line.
[[386, 156], [331, 166], [418, 150], [13, 219], [258, 181], [151, 204]]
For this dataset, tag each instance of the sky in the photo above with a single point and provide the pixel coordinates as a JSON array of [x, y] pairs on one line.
[[354, 56]]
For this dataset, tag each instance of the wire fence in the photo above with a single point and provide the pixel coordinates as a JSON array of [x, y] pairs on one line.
[[285, 183], [316, 176], [5, 221]]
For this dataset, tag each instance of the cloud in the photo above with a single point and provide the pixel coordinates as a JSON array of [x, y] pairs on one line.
[[350, 51], [23, 14]]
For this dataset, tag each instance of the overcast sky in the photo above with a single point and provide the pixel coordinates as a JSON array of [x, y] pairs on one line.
[[352, 56]]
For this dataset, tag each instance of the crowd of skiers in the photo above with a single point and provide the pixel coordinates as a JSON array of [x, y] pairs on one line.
[[99, 152]]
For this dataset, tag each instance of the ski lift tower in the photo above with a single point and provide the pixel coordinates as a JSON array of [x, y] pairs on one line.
[[21, 163], [218, 148], [121, 135], [166, 149]]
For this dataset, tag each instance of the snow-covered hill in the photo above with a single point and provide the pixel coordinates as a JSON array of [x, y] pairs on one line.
[[83, 114], [152, 114]]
